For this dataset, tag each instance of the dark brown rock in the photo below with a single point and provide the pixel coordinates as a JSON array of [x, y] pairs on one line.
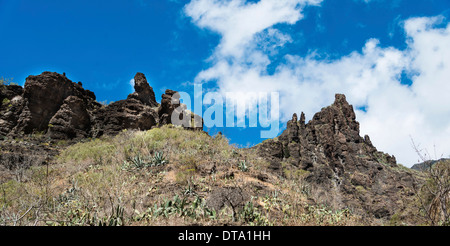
[[345, 169], [11, 102], [171, 106], [10, 91], [168, 105], [143, 91], [44, 95], [51, 103], [273, 151], [293, 129], [71, 121], [125, 114]]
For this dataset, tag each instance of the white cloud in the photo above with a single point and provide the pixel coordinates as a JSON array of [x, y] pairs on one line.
[[239, 21], [370, 78]]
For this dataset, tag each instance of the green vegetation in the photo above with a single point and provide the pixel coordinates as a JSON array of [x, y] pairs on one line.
[[243, 166], [163, 176], [139, 162], [6, 81], [180, 207], [6, 102], [252, 216]]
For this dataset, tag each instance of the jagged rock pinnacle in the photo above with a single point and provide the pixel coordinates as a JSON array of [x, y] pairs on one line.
[[302, 120], [143, 91], [336, 158], [340, 99]]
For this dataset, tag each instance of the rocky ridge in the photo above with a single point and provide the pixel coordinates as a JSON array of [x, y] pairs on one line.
[[52, 104], [345, 169]]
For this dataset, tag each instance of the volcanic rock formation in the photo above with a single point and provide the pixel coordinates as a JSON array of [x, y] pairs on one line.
[[171, 107], [143, 91], [346, 169], [52, 104]]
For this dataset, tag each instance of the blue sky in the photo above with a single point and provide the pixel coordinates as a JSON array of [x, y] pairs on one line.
[[377, 52]]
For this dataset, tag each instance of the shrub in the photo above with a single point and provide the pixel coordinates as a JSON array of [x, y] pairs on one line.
[[251, 215], [434, 195], [6, 81], [5, 102]]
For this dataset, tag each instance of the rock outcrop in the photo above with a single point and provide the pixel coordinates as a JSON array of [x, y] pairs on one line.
[[72, 120], [345, 169], [11, 101], [166, 108], [143, 91], [171, 107], [42, 98], [124, 114], [51, 104], [44, 95]]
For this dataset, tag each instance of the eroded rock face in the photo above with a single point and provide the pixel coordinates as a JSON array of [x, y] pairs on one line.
[[171, 106], [10, 91], [52, 104], [124, 114], [346, 169], [71, 121], [143, 91], [168, 104], [32, 107], [44, 95], [11, 101]]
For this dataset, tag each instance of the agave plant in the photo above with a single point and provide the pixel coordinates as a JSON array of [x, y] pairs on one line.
[[115, 219], [243, 166], [159, 159], [138, 161]]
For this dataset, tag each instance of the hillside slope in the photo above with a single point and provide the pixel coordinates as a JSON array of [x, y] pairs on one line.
[[166, 176]]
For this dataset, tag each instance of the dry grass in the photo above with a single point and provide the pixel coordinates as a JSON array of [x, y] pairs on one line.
[[159, 177]]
